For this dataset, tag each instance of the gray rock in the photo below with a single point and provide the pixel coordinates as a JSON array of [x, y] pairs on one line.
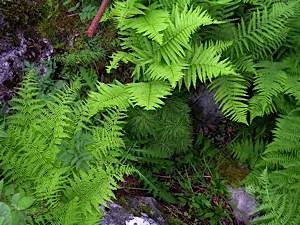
[[243, 205], [136, 211], [15, 49], [204, 106]]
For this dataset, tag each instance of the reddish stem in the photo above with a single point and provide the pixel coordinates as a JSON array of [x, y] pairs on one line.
[[92, 28]]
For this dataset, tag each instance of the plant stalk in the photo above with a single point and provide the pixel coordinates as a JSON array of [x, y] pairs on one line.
[[93, 26]]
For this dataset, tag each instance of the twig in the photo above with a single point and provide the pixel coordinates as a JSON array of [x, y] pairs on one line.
[[93, 26]]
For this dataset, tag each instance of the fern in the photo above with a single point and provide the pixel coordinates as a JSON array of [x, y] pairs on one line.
[[231, 93], [68, 166], [248, 151], [151, 24], [205, 64], [270, 81], [149, 94], [265, 31]]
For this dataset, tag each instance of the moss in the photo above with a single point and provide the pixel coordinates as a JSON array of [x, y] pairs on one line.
[[146, 209], [20, 15]]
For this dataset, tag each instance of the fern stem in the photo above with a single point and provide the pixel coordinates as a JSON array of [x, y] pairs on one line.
[[92, 28]]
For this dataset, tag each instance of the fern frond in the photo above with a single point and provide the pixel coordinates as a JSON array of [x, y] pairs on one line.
[[27, 107], [150, 24], [149, 95], [204, 63], [169, 4], [269, 81], [124, 10], [285, 148], [248, 151], [177, 35], [107, 138], [173, 73], [108, 96], [265, 31], [82, 57], [231, 94]]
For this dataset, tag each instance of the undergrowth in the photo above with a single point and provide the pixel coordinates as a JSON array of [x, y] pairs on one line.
[[71, 136]]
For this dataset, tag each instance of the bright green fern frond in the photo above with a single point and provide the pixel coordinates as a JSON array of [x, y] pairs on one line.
[[169, 4], [231, 94], [149, 95], [108, 96], [205, 64], [27, 107], [177, 35], [107, 138], [173, 73], [124, 10], [150, 24], [97, 189]]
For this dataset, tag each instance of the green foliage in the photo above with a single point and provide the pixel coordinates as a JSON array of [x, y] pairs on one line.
[[247, 151], [52, 151], [171, 50], [14, 206]]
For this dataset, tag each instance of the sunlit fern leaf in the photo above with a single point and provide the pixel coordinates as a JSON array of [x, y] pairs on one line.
[[107, 138], [107, 96], [231, 94], [116, 59], [26, 106], [49, 188], [97, 189], [205, 63], [124, 10], [177, 35], [149, 94], [270, 80], [173, 73], [169, 4], [151, 24]]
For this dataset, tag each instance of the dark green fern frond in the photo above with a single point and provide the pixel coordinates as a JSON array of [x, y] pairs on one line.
[[157, 188], [265, 31], [280, 204], [248, 151], [82, 57], [270, 80], [285, 148]]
